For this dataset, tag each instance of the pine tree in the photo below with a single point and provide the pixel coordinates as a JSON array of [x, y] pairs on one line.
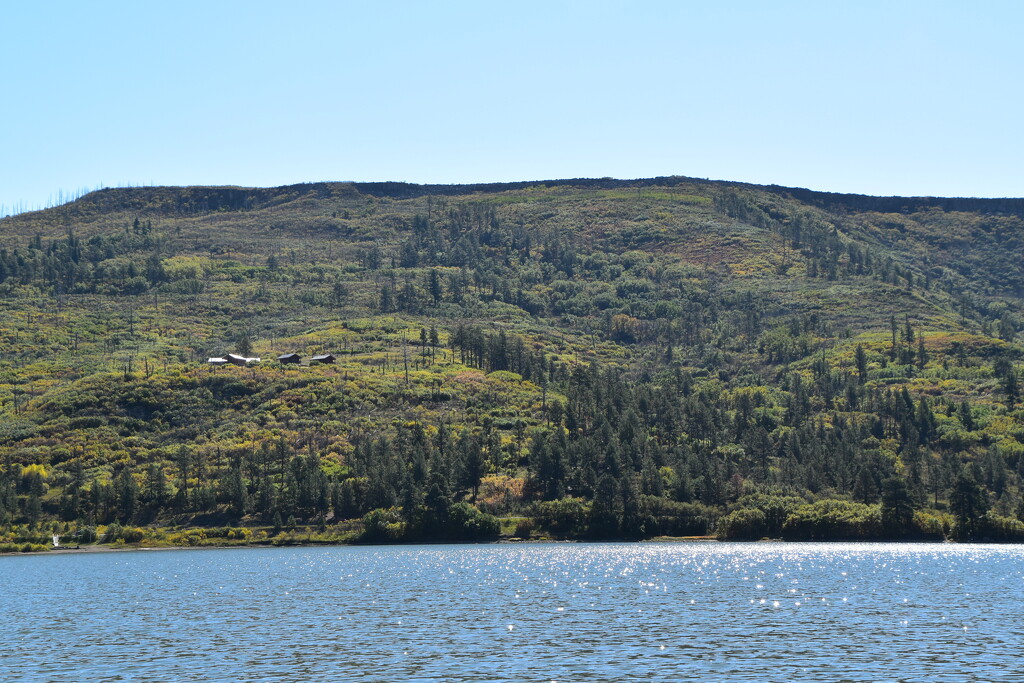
[[1011, 389], [968, 502], [897, 507], [861, 359]]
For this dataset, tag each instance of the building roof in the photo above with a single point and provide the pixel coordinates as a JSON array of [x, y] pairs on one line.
[[240, 360]]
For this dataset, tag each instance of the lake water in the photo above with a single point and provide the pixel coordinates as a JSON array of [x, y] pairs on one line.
[[537, 612]]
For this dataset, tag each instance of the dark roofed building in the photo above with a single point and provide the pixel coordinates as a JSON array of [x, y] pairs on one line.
[[289, 358], [322, 358]]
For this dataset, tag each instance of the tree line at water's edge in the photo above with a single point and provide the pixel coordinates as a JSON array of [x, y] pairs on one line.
[[554, 362]]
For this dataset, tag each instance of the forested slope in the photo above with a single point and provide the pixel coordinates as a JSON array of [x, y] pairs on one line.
[[575, 358]]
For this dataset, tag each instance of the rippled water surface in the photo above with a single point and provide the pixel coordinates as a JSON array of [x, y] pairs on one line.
[[539, 612]]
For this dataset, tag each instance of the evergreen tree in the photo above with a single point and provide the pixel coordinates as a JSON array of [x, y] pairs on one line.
[[968, 502], [606, 509], [861, 359], [897, 507], [126, 494], [1011, 389]]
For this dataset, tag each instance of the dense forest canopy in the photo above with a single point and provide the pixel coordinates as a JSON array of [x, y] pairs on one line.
[[576, 358]]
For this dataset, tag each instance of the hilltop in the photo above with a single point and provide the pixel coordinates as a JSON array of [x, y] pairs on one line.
[[593, 358]]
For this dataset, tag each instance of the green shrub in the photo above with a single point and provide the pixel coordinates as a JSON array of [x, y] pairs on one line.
[[563, 517], [776, 509], [132, 534], [383, 526], [191, 537], [834, 520], [112, 533], [466, 523], [672, 518], [115, 532], [743, 524], [1003, 529], [524, 528], [931, 524]]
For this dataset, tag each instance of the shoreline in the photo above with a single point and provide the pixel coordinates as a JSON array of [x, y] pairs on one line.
[[97, 548], [107, 548]]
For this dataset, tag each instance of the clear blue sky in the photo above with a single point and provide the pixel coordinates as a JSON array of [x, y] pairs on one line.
[[871, 97]]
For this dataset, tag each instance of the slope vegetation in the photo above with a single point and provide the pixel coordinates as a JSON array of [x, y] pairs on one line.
[[574, 358]]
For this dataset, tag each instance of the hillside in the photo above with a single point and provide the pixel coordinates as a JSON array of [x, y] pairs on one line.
[[573, 358]]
